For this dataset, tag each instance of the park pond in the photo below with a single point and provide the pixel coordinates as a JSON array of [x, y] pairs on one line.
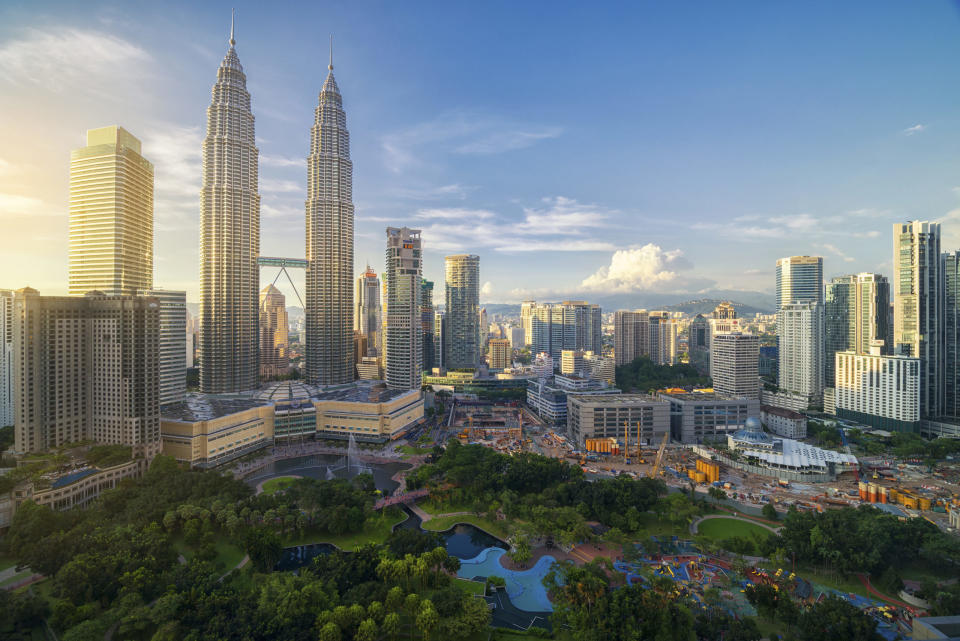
[[524, 587], [331, 466]]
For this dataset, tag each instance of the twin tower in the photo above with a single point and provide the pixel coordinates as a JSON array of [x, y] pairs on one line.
[[230, 239]]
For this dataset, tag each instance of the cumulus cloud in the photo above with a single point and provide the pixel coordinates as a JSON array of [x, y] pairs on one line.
[[909, 131], [640, 268], [487, 289]]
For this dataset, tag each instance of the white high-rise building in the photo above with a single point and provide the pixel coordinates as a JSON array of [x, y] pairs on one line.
[[917, 290], [799, 280], [366, 319], [735, 364], [877, 390], [6, 357], [800, 334], [173, 343], [229, 237], [463, 311], [404, 349], [567, 325], [329, 206]]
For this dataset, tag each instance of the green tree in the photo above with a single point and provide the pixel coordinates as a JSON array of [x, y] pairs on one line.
[[366, 631], [427, 619], [391, 625], [329, 632], [833, 619], [770, 512], [264, 547]]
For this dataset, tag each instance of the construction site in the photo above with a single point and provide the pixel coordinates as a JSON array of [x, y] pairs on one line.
[[499, 426]]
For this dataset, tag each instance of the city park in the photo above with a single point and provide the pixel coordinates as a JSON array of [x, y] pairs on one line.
[[453, 527]]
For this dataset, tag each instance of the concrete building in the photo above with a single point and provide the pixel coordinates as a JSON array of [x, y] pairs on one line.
[[704, 417], [329, 243], [950, 270], [173, 343], [548, 396], [735, 364], [881, 391], [229, 237], [631, 335], [87, 370], [369, 369], [917, 306], [462, 311], [439, 340], [274, 333], [602, 368], [799, 280], [111, 215], [427, 320], [856, 317], [501, 355], [604, 416], [663, 338], [800, 336], [784, 422], [786, 458], [366, 318], [571, 361], [404, 332], [6, 357], [698, 342], [517, 336]]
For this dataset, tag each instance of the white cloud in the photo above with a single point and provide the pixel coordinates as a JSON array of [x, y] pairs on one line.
[[71, 60], [909, 131], [487, 289], [176, 155], [273, 185], [639, 268], [281, 161], [522, 245], [14, 205], [562, 216], [454, 214], [455, 191], [836, 251], [463, 133]]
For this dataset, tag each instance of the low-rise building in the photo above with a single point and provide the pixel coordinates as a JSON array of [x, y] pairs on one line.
[[880, 391], [603, 368], [548, 396], [784, 422], [206, 430], [610, 415], [756, 447], [703, 417]]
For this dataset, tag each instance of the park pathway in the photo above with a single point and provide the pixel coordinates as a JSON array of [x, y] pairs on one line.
[[695, 526]]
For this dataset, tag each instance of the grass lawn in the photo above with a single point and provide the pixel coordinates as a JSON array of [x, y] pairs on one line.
[[375, 530], [16, 578], [431, 506], [276, 484], [473, 587], [446, 522], [7, 562], [650, 525], [917, 571], [770, 629], [720, 529], [227, 553]]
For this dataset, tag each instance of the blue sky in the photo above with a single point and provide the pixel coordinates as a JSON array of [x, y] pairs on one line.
[[579, 149]]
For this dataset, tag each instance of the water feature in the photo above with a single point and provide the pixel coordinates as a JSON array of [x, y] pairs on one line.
[[353, 457], [329, 467], [465, 541], [524, 587], [299, 556], [330, 475]]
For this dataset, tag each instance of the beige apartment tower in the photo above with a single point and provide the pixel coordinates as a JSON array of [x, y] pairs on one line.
[[274, 333], [501, 356], [403, 335], [735, 364], [111, 215], [229, 237], [631, 335], [88, 369]]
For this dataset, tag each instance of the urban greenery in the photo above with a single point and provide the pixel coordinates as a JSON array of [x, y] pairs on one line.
[[644, 375]]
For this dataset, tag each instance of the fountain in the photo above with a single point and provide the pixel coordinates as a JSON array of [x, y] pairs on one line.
[[353, 457], [330, 474]]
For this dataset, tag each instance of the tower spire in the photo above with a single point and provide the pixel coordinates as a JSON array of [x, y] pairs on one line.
[[330, 67], [233, 15]]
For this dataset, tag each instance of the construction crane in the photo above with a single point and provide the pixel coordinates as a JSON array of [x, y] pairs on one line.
[[656, 465]]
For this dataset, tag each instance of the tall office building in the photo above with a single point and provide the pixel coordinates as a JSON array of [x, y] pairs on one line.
[[698, 342], [567, 325], [663, 338], [111, 215], [329, 340], [631, 335], [229, 237], [483, 329], [440, 339], [367, 318], [88, 369], [724, 311], [799, 280], [462, 311], [501, 356], [856, 314], [6, 357], [173, 343], [735, 365], [801, 350], [427, 320], [526, 320], [274, 333], [917, 310], [404, 334], [950, 270]]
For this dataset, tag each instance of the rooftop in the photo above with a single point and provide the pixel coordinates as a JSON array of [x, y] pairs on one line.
[[362, 392], [701, 397], [782, 412], [205, 407], [615, 399]]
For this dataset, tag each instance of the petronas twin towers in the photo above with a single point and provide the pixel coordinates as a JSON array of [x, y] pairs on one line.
[[230, 239]]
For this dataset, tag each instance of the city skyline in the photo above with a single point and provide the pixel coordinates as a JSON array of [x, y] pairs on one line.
[[435, 164]]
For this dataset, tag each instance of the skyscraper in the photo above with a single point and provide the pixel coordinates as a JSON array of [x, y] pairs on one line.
[[229, 236], [462, 311], [856, 312], [274, 333], [404, 355], [734, 364], [631, 335], [567, 325], [799, 280], [88, 369], [440, 339], [950, 268], [801, 350], [367, 316], [111, 215], [6, 357], [427, 320], [917, 311], [173, 343], [329, 207], [698, 342]]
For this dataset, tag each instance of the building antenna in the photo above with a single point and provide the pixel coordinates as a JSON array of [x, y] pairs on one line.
[[233, 15], [331, 53]]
